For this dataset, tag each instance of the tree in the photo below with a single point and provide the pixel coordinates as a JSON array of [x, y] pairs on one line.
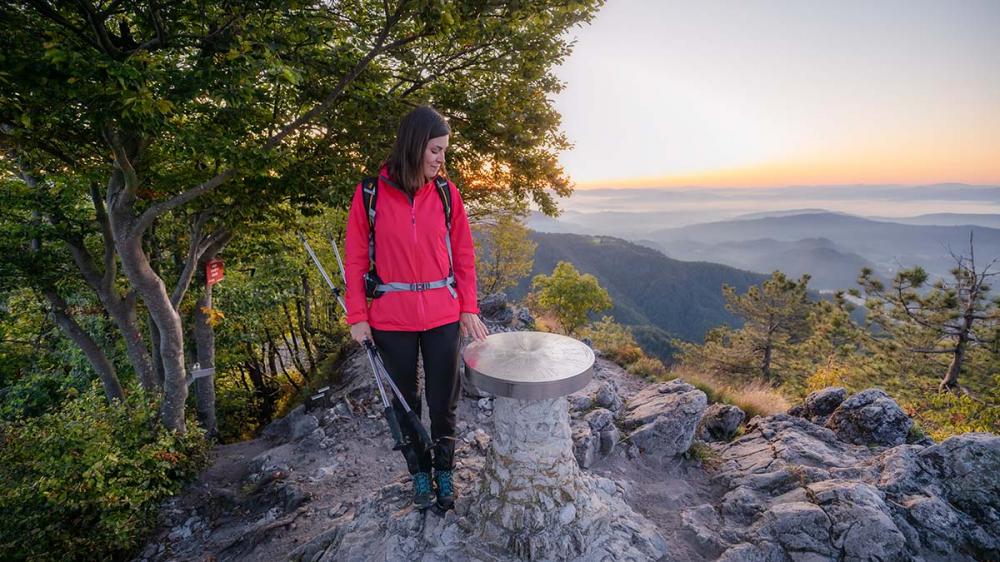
[[775, 316], [504, 253], [948, 318], [570, 296], [263, 105]]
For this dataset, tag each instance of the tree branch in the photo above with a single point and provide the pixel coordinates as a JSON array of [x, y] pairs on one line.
[[918, 350], [153, 212], [47, 11], [110, 265], [96, 22], [195, 248]]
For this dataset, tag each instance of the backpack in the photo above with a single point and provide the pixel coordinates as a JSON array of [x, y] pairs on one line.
[[374, 286]]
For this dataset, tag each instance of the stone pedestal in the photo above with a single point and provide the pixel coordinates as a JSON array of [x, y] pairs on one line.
[[533, 501]]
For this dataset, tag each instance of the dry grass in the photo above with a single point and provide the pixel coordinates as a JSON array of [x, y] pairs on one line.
[[754, 398]]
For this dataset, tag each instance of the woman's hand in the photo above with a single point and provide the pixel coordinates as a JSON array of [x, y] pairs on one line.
[[361, 332], [472, 326]]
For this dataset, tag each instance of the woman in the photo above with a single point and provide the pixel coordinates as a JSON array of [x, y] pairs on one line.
[[422, 277]]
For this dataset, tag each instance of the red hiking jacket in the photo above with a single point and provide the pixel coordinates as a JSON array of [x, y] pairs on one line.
[[409, 248]]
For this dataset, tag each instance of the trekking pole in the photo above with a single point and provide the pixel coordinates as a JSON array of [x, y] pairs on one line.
[[387, 409], [379, 367], [334, 288], [411, 416]]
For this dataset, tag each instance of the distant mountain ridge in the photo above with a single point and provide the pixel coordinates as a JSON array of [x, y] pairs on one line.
[[830, 267], [887, 245], [948, 219]]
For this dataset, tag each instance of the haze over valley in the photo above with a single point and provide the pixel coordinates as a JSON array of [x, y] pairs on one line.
[[830, 232]]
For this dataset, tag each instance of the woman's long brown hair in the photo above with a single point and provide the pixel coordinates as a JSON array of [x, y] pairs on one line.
[[415, 130]]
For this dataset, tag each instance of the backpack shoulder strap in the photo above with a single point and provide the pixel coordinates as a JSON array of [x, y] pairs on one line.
[[369, 193], [444, 192]]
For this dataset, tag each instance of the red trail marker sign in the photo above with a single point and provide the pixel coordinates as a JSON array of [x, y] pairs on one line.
[[215, 271]]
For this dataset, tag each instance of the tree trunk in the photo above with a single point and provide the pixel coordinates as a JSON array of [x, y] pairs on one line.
[[307, 304], [305, 339], [295, 351], [204, 388], [154, 341], [950, 380], [263, 390], [125, 316], [98, 360], [765, 366], [150, 287]]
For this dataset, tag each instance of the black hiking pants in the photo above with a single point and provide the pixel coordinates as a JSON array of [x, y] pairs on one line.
[[442, 384]]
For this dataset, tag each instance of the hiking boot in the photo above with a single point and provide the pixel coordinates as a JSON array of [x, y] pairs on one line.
[[423, 495], [445, 489]]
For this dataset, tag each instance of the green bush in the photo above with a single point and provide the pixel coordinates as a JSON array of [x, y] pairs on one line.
[[84, 481], [615, 340]]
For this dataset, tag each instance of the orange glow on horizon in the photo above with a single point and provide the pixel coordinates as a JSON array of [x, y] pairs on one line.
[[870, 169]]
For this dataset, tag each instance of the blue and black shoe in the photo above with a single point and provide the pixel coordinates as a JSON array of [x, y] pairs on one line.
[[423, 495], [445, 489]]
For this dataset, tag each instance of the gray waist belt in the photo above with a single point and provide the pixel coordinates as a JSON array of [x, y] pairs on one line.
[[396, 287]]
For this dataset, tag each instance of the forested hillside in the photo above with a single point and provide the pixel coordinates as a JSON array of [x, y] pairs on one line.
[[661, 297]]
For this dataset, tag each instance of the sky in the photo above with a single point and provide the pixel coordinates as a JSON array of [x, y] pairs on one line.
[[778, 93]]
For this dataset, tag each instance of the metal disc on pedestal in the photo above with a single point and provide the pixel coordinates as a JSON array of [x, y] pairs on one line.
[[529, 365]]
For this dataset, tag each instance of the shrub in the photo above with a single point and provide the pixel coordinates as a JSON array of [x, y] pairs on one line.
[[614, 340], [648, 367], [942, 415], [84, 481], [756, 398]]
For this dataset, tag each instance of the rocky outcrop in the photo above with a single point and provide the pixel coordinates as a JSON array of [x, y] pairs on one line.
[[870, 416], [595, 427], [662, 418], [798, 491], [834, 481], [820, 404], [720, 422]]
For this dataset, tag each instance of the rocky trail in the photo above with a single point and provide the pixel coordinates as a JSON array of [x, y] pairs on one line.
[[834, 479]]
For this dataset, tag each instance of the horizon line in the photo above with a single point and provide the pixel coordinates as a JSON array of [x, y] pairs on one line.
[[638, 184]]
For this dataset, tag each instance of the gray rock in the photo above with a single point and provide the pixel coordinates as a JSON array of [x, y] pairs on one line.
[[861, 524], [967, 469], [523, 320], [495, 305], [743, 505], [609, 440], [746, 552], [664, 417], [703, 524], [313, 440], [802, 528], [296, 425], [720, 422], [579, 402], [586, 444], [599, 419], [823, 402], [607, 397], [870, 417]]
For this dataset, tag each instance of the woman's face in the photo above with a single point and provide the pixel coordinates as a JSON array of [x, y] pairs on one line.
[[434, 156]]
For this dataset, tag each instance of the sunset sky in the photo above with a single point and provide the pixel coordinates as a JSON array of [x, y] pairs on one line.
[[775, 93]]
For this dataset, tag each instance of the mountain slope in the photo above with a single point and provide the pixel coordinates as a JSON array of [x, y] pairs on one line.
[[830, 266], [680, 298]]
